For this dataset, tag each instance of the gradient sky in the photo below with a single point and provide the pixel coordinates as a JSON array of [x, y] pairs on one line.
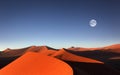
[[59, 23]]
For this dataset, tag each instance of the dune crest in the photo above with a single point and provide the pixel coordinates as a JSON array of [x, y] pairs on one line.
[[36, 64], [44, 60], [64, 55]]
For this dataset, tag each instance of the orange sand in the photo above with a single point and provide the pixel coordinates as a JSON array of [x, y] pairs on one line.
[[36, 64], [64, 55]]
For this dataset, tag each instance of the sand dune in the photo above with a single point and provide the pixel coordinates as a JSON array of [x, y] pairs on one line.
[[84, 49], [36, 64], [44, 60], [64, 55], [9, 55], [115, 46], [78, 49], [102, 54], [18, 52], [13, 52]]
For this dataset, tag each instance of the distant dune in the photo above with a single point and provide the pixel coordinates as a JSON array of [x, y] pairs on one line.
[[44, 60], [102, 54]]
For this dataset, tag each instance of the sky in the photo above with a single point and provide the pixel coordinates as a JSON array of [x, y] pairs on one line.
[[59, 23]]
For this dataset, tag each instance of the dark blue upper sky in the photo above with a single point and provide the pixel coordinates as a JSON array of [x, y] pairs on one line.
[[59, 23]]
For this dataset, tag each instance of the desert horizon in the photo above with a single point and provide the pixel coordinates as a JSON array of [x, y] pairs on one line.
[[44, 60], [53, 46]]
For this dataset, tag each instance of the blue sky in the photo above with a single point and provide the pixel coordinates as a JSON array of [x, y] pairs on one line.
[[59, 23]]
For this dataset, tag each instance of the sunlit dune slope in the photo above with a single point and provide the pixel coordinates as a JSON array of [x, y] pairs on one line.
[[9, 55], [36, 64], [113, 48], [102, 54], [83, 61], [83, 49], [64, 55]]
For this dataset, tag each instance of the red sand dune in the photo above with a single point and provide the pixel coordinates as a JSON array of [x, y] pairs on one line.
[[83, 49], [18, 52], [78, 48], [64, 55], [41, 60], [113, 48], [13, 52], [36, 64], [48, 52]]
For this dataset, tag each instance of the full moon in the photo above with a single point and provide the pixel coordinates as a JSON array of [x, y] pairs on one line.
[[93, 22]]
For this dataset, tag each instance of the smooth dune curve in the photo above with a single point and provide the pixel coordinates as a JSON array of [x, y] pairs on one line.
[[36, 64], [64, 55]]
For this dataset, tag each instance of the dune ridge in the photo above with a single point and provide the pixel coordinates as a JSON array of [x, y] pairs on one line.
[[36, 64], [76, 60], [64, 55]]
